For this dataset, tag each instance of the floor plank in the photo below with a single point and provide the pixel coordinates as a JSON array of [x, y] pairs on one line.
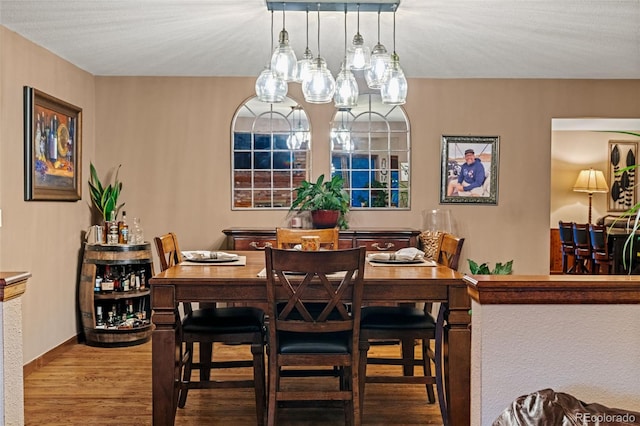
[[112, 386]]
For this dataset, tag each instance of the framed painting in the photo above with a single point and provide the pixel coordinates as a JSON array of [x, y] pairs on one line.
[[469, 172], [52, 148], [622, 175]]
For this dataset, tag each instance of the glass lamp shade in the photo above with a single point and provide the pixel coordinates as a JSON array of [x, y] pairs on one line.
[[303, 66], [283, 60], [270, 87], [346, 95], [358, 55], [341, 139], [394, 85], [297, 139], [319, 85], [380, 60]]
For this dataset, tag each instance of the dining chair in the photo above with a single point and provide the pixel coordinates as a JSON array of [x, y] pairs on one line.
[[408, 324], [600, 255], [208, 325], [287, 238], [567, 247], [582, 248], [319, 334]]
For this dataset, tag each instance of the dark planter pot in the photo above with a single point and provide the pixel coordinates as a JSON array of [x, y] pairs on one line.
[[324, 218]]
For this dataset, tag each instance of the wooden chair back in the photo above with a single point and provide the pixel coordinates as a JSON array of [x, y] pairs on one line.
[[286, 238], [566, 245], [566, 233], [309, 323], [168, 250], [600, 249], [582, 247], [170, 255], [449, 249]]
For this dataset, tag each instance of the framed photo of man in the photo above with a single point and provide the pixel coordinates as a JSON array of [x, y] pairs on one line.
[[469, 173]]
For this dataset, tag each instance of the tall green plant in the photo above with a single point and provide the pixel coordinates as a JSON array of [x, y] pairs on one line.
[[105, 198]]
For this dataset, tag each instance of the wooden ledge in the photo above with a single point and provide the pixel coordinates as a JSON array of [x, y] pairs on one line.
[[554, 289], [13, 284]]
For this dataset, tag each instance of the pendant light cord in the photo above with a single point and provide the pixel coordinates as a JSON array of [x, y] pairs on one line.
[[318, 30], [271, 33], [378, 26], [394, 30], [345, 34], [307, 29], [284, 6]]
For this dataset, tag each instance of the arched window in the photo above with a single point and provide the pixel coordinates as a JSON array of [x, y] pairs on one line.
[[370, 149], [270, 153]]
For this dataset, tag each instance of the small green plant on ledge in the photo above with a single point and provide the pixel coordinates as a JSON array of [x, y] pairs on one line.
[[483, 269]]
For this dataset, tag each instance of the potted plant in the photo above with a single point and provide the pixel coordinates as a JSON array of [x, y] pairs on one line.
[[327, 201], [105, 199], [483, 269]]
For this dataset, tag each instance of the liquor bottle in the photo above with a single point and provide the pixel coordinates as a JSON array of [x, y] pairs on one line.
[[125, 280], [112, 236], [130, 308], [123, 229], [107, 280], [39, 153], [143, 280], [99, 317]]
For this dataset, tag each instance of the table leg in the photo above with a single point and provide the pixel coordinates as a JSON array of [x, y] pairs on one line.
[[165, 353], [458, 365]]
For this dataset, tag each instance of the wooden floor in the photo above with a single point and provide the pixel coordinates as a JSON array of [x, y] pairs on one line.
[[112, 386]]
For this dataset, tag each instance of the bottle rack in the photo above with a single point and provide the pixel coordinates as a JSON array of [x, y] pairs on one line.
[[122, 316]]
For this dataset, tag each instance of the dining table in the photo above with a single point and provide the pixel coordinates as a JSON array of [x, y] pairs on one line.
[[244, 283]]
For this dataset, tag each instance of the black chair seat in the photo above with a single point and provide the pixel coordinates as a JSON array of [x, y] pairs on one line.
[[396, 317], [321, 343], [224, 320]]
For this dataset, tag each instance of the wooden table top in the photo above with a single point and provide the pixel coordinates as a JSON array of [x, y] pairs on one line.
[[209, 273]]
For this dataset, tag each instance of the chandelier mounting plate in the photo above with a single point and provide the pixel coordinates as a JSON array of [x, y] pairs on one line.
[[334, 6]]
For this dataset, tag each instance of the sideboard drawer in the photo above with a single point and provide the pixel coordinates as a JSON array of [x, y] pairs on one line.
[[383, 244], [253, 243]]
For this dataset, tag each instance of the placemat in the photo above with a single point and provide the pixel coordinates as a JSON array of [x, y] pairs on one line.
[[393, 265], [242, 261], [263, 274]]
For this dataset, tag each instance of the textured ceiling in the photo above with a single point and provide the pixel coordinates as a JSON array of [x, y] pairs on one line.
[[434, 38]]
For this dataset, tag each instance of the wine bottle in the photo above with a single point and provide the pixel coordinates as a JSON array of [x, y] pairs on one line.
[[53, 140]]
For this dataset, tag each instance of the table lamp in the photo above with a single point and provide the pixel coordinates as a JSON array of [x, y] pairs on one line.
[[590, 181]]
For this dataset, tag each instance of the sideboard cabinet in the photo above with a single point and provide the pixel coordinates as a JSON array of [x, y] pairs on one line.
[[371, 238]]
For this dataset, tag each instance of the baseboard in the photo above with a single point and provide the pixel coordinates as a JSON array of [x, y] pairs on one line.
[[49, 356]]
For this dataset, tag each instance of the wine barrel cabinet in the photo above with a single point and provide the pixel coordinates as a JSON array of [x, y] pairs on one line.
[[114, 295]]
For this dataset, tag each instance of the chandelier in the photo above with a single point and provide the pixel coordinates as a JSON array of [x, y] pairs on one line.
[[381, 70]]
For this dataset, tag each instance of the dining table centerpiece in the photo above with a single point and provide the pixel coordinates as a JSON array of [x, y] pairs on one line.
[[327, 201]]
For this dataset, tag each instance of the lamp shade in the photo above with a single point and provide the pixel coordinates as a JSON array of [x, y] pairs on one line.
[[591, 181]]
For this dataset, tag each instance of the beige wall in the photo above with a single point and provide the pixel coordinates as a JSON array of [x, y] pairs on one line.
[[172, 137], [37, 236]]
